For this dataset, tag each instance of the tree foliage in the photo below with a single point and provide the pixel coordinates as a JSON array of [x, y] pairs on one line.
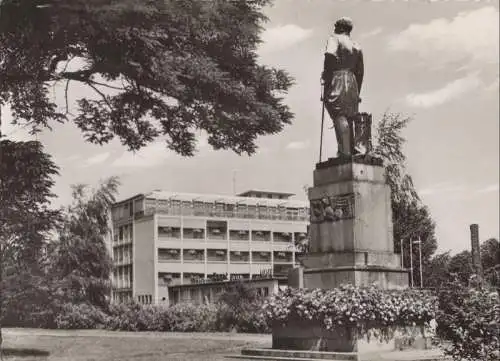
[[161, 68], [469, 318], [490, 260], [80, 261], [25, 216], [444, 268], [436, 272], [411, 218], [26, 179]]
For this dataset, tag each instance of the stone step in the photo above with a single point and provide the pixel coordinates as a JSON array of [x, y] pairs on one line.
[[300, 355], [297, 355], [273, 358]]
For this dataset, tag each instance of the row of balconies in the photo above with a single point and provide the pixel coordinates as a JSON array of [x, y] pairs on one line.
[[176, 278], [222, 234], [212, 255], [296, 214]]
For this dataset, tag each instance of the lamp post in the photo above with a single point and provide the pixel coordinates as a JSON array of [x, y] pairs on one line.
[[419, 242], [411, 262]]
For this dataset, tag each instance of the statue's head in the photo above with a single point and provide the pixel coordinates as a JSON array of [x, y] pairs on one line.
[[343, 26]]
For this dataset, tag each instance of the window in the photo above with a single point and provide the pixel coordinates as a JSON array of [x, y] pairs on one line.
[[216, 229], [169, 254], [194, 233], [191, 255], [171, 232]]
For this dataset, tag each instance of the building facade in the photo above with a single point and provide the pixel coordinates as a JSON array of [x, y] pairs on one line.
[[163, 239], [208, 291]]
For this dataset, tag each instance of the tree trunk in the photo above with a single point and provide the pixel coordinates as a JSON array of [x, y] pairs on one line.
[[1, 300], [1, 248]]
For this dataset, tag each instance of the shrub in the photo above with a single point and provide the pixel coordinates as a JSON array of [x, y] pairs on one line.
[[80, 316], [186, 317], [240, 309], [469, 318], [365, 310], [136, 317]]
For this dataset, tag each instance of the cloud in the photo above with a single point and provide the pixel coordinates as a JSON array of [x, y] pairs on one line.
[[152, 155], [282, 37], [457, 190], [450, 91], [471, 37], [96, 159], [493, 87], [441, 188], [298, 145], [491, 188], [371, 33]]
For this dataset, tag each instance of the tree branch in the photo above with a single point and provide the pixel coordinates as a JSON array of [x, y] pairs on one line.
[[100, 93], [105, 85], [66, 96]]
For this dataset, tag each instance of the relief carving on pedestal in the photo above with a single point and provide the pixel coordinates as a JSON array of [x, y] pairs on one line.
[[332, 208]]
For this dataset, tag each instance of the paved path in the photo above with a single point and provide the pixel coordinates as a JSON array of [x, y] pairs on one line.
[[228, 336], [251, 340]]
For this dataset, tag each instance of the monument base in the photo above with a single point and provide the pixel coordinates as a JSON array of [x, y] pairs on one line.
[[317, 338], [360, 276], [266, 354]]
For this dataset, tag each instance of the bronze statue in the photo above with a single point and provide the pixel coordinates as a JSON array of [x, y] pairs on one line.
[[342, 78]]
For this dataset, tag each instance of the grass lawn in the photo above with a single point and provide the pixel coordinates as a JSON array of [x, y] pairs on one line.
[[106, 345]]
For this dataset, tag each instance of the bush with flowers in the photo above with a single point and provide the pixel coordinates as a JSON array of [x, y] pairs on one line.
[[366, 311], [469, 319]]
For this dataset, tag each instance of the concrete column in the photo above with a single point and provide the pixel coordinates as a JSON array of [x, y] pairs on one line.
[[476, 253]]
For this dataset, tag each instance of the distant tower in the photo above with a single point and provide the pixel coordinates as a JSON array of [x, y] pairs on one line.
[[476, 253]]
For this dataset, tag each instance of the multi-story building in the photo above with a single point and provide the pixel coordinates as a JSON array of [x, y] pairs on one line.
[[163, 239]]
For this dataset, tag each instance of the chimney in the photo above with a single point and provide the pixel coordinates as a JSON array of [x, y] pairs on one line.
[[476, 254]]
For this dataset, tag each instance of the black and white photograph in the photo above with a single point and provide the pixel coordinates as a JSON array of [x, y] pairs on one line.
[[277, 180]]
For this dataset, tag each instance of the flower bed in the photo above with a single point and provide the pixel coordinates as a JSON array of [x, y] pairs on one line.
[[352, 311]]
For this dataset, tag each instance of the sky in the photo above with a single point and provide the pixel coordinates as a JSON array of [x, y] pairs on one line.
[[436, 61]]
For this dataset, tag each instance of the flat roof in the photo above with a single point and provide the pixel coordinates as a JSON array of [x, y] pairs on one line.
[[219, 198], [247, 193]]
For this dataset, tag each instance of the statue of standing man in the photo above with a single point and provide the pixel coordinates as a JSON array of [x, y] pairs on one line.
[[342, 78]]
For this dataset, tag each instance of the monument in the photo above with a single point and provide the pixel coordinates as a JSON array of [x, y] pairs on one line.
[[351, 231], [351, 237]]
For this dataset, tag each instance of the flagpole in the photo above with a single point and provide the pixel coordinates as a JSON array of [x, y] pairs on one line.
[[322, 124], [411, 262]]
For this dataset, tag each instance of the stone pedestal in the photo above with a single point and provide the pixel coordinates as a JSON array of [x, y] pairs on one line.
[[351, 237]]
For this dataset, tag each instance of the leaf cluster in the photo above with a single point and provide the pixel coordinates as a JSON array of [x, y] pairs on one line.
[[158, 68], [469, 318]]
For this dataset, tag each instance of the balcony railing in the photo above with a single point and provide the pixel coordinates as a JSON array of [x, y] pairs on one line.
[[301, 216]]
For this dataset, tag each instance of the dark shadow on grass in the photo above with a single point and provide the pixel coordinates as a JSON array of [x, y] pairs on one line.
[[24, 352]]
